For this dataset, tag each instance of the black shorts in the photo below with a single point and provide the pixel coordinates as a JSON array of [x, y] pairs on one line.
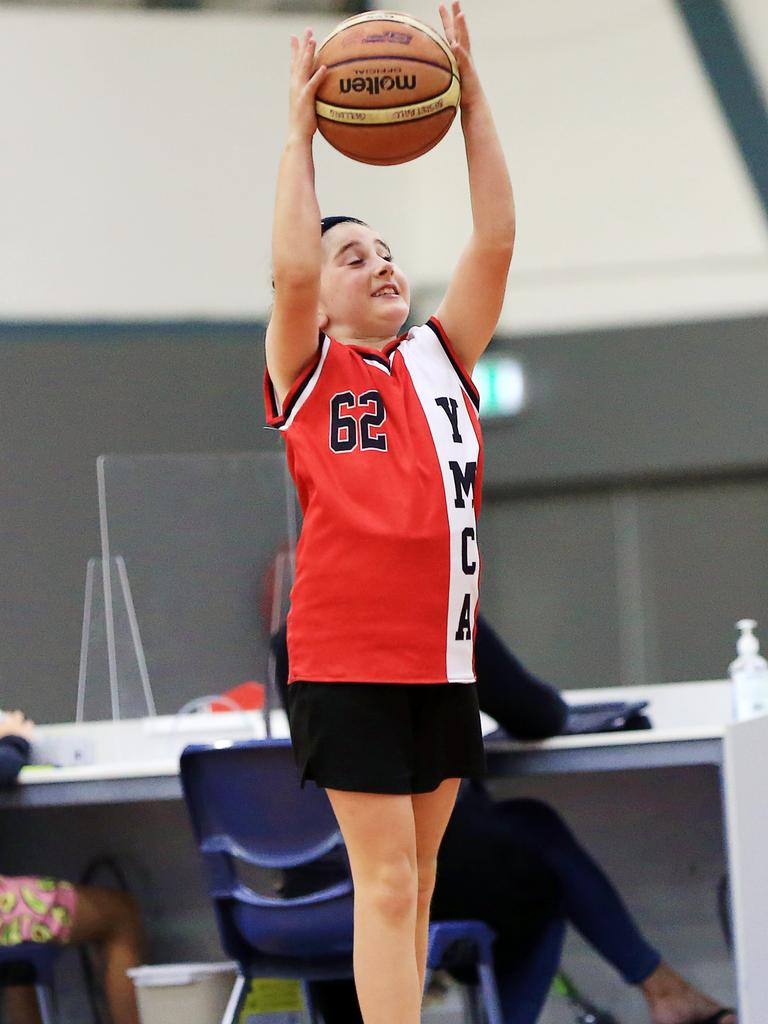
[[385, 737]]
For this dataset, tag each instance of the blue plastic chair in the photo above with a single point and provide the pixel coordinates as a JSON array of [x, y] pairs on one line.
[[476, 940], [248, 811], [39, 958]]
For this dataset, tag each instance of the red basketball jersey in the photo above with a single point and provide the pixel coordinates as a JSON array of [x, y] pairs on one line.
[[386, 453]]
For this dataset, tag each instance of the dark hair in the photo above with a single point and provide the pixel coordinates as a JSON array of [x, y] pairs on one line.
[[326, 223], [330, 222]]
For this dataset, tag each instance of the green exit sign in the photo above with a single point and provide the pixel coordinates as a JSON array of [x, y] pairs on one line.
[[501, 384]]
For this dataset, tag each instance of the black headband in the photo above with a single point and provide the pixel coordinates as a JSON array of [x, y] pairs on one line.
[[330, 222]]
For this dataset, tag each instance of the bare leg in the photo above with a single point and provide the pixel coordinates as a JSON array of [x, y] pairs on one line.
[[432, 812], [671, 1000], [109, 919], [20, 1005], [380, 836]]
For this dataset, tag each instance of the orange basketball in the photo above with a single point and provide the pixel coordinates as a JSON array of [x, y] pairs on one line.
[[391, 90]]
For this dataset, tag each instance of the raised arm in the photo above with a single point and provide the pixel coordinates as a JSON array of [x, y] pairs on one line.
[[292, 333], [472, 304]]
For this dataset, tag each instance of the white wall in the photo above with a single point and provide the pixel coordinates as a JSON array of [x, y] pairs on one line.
[[632, 200], [140, 149]]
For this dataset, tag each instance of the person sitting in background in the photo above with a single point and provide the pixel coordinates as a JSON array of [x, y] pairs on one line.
[[515, 865], [34, 909]]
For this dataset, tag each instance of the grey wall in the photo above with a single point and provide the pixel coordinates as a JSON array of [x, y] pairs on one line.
[[624, 528], [648, 402], [68, 395]]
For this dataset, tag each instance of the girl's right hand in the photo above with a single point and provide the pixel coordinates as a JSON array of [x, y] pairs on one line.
[[302, 118]]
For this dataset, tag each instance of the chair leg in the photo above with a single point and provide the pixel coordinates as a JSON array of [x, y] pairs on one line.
[[308, 1002], [45, 1004], [490, 992], [233, 1006], [471, 997]]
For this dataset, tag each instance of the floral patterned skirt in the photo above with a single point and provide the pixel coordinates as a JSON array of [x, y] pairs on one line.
[[34, 909]]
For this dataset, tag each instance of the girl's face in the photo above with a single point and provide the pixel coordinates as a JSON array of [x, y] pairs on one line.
[[364, 296]]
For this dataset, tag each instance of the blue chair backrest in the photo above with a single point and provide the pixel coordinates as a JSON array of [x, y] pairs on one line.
[[245, 799], [247, 808]]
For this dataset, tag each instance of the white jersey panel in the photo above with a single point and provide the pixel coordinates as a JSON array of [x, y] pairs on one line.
[[307, 389], [440, 393]]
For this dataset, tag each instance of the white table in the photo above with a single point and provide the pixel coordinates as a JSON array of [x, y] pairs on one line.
[[137, 759]]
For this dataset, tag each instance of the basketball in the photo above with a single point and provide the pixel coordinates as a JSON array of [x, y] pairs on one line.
[[391, 90]]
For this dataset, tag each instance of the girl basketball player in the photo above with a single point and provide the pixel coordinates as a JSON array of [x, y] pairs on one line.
[[384, 446]]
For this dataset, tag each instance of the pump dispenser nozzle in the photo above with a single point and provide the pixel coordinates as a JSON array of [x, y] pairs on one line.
[[747, 642]]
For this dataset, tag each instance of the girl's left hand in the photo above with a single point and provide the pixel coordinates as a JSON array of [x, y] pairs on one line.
[[456, 32], [16, 723]]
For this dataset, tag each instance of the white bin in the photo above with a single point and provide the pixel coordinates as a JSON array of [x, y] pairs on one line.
[[192, 993]]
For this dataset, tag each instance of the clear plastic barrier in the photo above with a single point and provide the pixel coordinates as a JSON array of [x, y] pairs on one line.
[[197, 563], [113, 681]]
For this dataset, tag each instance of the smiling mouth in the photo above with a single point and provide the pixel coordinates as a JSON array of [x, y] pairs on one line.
[[388, 290]]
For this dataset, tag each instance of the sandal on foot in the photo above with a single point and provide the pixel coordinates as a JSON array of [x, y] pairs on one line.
[[717, 1017]]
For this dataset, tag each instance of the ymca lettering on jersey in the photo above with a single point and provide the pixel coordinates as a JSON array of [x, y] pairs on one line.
[[385, 450]]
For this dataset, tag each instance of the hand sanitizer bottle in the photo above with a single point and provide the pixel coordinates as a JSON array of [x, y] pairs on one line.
[[749, 675]]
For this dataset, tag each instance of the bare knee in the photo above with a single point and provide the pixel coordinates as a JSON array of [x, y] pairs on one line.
[[391, 889], [126, 917], [107, 915], [427, 869]]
